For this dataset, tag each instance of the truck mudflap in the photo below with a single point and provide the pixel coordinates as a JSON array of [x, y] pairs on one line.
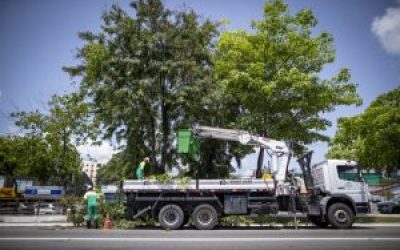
[[363, 207]]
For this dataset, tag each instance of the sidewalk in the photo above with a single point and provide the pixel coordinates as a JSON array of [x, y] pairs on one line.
[[33, 218], [34, 221], [61, 221], [40, 224]]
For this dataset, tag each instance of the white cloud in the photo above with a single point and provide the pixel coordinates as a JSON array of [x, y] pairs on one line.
[[387, 29], [102, 154]]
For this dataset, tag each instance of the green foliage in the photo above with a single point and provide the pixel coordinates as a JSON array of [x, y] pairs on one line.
[[126, 224], [166, 178], [76, 216], [115, 210], [116, 169], [130, 224], [29, 156], [69, 201], [142, 73], [372, 138], [146, 75], [235, 220], [162, 178], [265, 220], [183, 181], [49, 147], [270, 77], [293, 223]]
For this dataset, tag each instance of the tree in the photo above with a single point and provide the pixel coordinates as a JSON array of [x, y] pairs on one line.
[[115, 169], [146, 75], [56, 155], [24, 157], [271, 76], [9, 159], [373, 137]]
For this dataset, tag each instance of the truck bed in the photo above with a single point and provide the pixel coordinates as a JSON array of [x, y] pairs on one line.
[[243, 184]]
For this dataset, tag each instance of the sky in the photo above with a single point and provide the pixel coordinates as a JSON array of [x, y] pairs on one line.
[[38, 38]]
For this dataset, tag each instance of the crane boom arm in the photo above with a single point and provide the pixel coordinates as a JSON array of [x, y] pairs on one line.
[[242, 137], [280, 153]]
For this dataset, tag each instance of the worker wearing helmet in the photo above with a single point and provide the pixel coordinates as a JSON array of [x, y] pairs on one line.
[[90, 198], [140, 168]]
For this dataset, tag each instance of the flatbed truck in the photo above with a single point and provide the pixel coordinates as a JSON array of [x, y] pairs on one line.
[[323, 193]]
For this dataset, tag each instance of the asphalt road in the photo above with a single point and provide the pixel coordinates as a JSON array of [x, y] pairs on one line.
[[246, 238]]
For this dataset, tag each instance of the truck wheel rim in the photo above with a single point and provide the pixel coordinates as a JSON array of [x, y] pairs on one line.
[[204, 217], [171, 217], [341, 216]]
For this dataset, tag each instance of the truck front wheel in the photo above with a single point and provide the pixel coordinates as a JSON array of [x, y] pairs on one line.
[[171, 217], [340, 216], [204, 217]]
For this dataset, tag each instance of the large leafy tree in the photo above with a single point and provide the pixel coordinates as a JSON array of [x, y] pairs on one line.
[[270, 78], [146, 74], [26, 156], [52, 138], [373, 137]]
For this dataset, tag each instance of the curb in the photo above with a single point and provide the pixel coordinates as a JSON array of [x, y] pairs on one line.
[[284, 226], [255, 226], [34, 219], [45, 224]]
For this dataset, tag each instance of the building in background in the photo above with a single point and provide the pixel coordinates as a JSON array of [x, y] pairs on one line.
[[90, 168]]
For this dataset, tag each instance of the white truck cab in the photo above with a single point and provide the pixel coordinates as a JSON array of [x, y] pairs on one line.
[[339, 193]]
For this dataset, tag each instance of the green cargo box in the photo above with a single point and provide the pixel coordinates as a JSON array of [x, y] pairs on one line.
[[184, 136], [188, 144]]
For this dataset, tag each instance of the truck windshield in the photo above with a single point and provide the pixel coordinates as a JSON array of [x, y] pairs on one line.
[[349, 173]]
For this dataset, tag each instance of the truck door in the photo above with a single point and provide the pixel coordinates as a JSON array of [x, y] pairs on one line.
[[349, 181]]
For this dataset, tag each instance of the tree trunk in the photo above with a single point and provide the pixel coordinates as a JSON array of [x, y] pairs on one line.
[[153, 145], [164, 124], [63, 179]]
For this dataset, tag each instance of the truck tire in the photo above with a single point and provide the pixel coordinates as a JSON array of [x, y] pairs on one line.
[[171, 217], [340, 216], [204, 217], [317, 221]]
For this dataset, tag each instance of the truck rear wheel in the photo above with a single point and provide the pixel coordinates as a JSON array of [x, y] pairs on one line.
[[171, 217], [204, 217], [316, 220], [340, 216]]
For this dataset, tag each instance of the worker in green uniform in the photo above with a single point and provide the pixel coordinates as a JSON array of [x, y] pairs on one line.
[[90, 198], [140, 168]]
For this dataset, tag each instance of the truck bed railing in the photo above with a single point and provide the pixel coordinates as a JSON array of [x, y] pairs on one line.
[[204, 184]]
